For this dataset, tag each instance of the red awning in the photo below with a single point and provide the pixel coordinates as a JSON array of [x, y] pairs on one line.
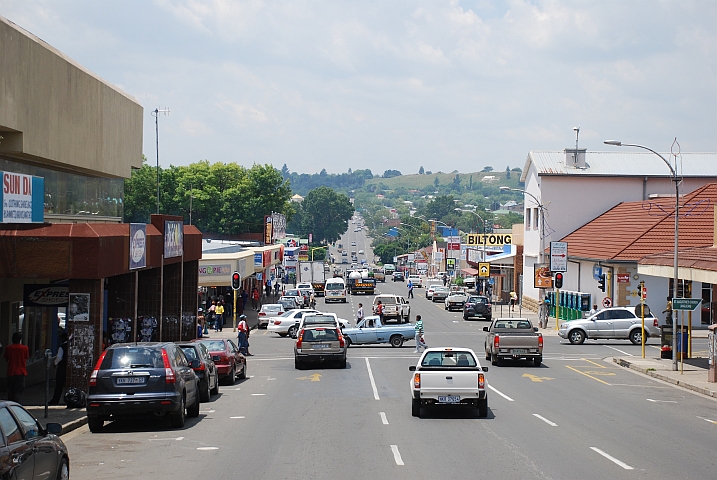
[[470, 271]]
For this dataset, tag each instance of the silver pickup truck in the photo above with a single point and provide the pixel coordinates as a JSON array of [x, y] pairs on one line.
[[448, 376], [513, 338], [371, 330]]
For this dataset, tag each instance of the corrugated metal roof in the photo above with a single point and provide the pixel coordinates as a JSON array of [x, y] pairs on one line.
[[622, 164], [632, 230]]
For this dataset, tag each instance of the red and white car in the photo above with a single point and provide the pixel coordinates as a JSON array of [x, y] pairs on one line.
[[269, 310]]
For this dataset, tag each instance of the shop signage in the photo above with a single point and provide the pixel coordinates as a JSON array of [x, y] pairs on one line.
[[688, 304], [543, 276], [258, 260], [267, 258], [22, 197], [45, 295], [623, 278], [489, 239], [173, 238], [208, 270], [268, 232], [558, 256], [137, 245]]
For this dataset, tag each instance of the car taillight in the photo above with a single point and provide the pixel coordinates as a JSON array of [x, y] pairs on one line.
[[655, 324], [540, 340], [168, 372], [262, 314], [496, 342], [481, 381], [93, 376], [416, 380], [300, 339], [201, 367], [277, 322], [342, 343]]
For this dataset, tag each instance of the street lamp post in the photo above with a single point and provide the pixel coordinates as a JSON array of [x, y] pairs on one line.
[[675, 179], [155, 114], [541, 254]]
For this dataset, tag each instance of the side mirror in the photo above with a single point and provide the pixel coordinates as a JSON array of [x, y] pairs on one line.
[[195, 363], [412, 368], [485, 329], [53, 428], [535, 329], [485, 369]]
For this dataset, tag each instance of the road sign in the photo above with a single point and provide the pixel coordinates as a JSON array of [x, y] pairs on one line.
[[607, 302], [484, 269], [451, 263], [644, 292], [688, 304], [558, 256]]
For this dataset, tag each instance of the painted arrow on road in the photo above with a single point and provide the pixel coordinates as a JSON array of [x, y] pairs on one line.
[[316, 377], [535, 378]]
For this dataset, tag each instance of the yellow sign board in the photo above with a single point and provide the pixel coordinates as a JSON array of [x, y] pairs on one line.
[[484, 269], [489, 239]]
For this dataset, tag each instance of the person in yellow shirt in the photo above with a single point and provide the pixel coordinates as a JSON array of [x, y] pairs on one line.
[[219, 317]]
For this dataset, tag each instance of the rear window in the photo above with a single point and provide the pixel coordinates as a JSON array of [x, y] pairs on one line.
[[449, 359], [133, 357], [477, 300], [214, 345], [320, 335], [190, 353], [518, 324], [272, 308], [319, 320], [334, 286], [386, 300]]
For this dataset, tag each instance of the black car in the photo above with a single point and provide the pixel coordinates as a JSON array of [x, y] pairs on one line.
[[398, 277], [28, 450], [156, 376], [206, 372], [478, 306]]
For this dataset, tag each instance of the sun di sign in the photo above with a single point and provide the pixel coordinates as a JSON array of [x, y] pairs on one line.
[[22, 198]]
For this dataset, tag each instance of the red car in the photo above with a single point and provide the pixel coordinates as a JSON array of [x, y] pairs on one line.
[[225, 354]]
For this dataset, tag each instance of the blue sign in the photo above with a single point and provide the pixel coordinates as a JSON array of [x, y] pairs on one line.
[[258, 260], [597, 272], [137, 245]]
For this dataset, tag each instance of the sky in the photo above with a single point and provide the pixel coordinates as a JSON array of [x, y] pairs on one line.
[[396, 84]]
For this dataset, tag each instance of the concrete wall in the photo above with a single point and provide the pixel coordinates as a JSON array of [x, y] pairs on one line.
[[55, 112]]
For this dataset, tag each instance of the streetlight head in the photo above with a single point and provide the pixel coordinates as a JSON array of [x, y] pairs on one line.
[[576, 129], [617, 143], [505, 188]]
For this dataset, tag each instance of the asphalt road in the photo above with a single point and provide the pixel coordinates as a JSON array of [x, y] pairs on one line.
[[577, 416]]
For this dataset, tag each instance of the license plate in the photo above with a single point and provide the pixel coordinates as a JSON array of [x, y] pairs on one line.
[[130, 380], [519, 351], [451, 399], [322, 345]]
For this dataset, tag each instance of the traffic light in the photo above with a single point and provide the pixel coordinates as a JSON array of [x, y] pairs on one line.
[[601, 282], [558, 280], [236, 281]]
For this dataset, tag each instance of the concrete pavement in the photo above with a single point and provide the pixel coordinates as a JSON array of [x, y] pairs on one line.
[[692, 375]]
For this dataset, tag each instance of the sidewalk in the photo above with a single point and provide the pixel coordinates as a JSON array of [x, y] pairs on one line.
[[693, 378], [33, 399]]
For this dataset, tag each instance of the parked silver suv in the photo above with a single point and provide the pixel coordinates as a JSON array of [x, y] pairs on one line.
[[610, 323]]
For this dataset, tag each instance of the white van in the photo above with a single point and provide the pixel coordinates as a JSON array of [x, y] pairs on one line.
[[335, 290]]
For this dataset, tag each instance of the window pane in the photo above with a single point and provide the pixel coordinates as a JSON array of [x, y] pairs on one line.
[[9, 426], [29, 424]]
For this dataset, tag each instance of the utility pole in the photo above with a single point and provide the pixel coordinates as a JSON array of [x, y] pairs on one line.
[[155, 114]]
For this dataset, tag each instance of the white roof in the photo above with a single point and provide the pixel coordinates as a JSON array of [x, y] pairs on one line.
[[622, 163]]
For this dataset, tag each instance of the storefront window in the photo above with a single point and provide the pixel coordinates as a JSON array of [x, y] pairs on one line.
[[36, 327]]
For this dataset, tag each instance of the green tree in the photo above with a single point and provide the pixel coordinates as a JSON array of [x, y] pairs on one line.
[[391, 173], [421, 171], [487, 169], [507, 173], [325, 214], [440, 207], [140, 194], [436, 181]]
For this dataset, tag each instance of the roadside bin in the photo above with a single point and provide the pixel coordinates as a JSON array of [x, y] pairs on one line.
[[683, 342], [666, 341]]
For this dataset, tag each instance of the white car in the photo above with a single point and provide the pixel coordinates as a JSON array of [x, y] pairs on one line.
[[360, 252], [430, 289], [285, 324], [415, 280], [269, 310]]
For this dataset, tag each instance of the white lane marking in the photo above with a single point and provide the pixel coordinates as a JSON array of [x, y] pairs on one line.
[[500, 393], [707, 420], [207, 411], [373, 383], [258, 394], [552, 424], [160, 439], [396, 455], [238, 388], [207, 448], [612, 459], [236, 417], [618, 350], [384, 420], [660, 401]]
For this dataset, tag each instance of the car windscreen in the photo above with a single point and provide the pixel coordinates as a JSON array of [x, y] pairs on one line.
[[292, 293], [477, 300], [334, 286], [441, 290], [272, 308], [214, 345], [319, 320], [133, 357], [453, 359], [512, 324], [320, 335], [386, 300], [190, 353]]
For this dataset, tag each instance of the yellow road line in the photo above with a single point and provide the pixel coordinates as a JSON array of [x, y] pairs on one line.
[[594, 363], [583, 373]]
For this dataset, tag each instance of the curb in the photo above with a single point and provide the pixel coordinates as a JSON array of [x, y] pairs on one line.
[[73, 425], [679, 383]]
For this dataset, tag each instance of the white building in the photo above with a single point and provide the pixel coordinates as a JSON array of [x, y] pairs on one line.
[[574, 191]]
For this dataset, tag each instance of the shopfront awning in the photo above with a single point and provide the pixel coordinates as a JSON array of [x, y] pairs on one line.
[[470, 271], [505, 258]]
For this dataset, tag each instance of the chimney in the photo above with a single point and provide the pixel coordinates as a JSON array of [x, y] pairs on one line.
[[575, 158]]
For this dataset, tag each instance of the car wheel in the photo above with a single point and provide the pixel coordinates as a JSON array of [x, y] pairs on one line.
[[232, 376], [215, 389], [342, 363], [193, 411], [205, 395], [242, 375], [348, 341], [177, 419], [636, 336], [537, 361], [482, 407], [292, 331], [63, 473], [396, 341], [95, 423], [494, 360], [416, 407], [297, 364], [465, 317], [576, 337]]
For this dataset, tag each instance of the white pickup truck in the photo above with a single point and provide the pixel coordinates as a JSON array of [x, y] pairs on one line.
[[448, 376]]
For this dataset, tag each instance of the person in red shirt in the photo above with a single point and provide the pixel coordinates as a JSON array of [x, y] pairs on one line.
[[16, 356]]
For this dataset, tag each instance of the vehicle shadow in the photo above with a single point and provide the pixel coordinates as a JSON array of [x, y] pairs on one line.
[[447, 412], [147, 423], [517, 363]]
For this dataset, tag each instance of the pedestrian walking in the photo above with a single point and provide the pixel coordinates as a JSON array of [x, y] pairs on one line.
[[359, 314], [60, 362], [668, 311], [267, 289], [445, 280], [379, 311], [243, 335], [593, 311], [276, 287], [219, 314], [255, 298], [244, 299], [16, 356], [212, 315], [410, 289], [419, 337], [312, 300], [513, 300]]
